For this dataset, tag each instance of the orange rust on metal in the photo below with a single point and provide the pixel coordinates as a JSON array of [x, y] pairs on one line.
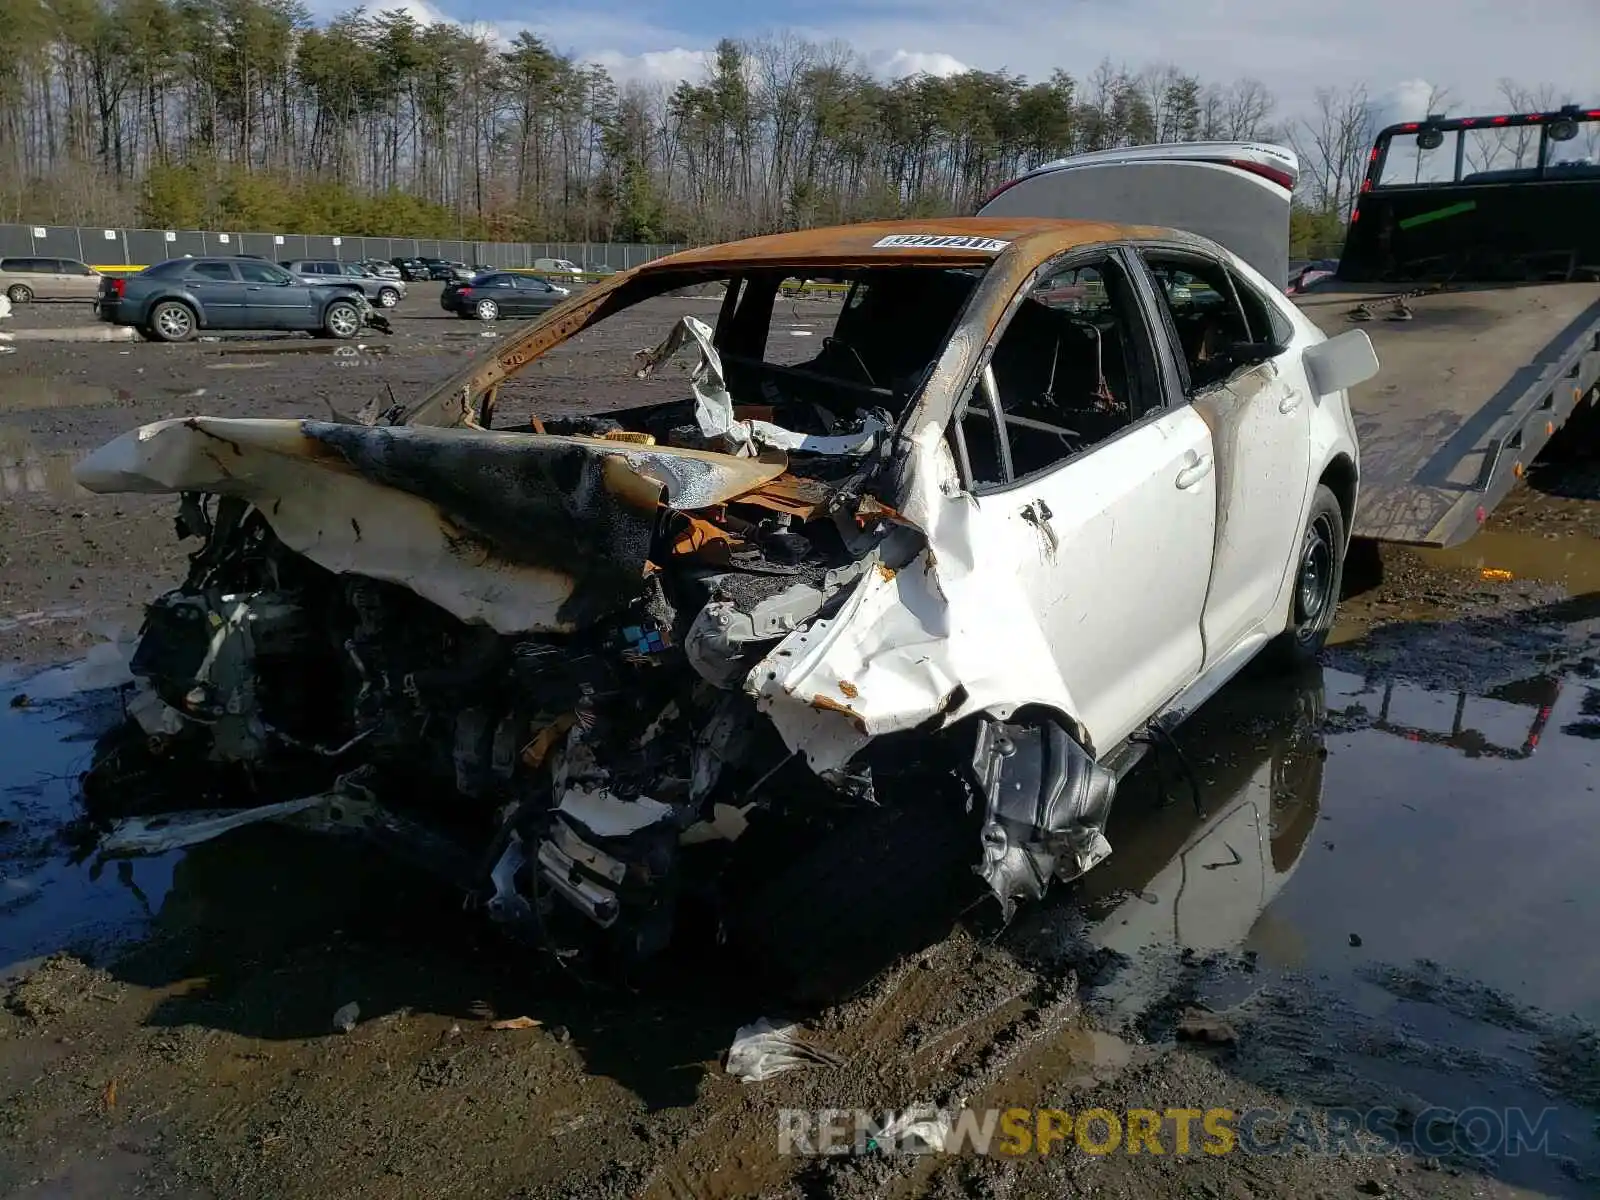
[[870, 506], [536, 751], [536, 424], [629, 485], [801, 498], [850, 690], [886, 571], [829, 704], [702, 537], [1032, 242], [855, 245]]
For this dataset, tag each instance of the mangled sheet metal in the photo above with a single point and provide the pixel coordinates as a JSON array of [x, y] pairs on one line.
[[714, 409], [521, 532]]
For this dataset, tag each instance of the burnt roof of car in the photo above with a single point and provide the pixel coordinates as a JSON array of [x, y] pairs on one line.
[[953, 241]]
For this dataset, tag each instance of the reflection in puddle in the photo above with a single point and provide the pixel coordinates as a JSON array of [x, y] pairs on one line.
[[1565, 558], [25, 471], [1375, 856], [35, 393], [296, 346]]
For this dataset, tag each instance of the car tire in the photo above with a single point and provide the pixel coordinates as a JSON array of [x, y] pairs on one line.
[[1316, 585], [19, 293], [172, 321], [388, 297], [341, 320], [486, 310]]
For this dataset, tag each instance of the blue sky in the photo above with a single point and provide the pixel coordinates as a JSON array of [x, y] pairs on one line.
[[1400, 49]]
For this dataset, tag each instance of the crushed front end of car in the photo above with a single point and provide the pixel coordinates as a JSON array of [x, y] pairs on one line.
[[571, 667]]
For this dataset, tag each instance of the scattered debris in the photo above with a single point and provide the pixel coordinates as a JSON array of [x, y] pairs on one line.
[[765, 1049], [516, 1023], [345, 1019], [59, 985], [108, 1098], [928, 1126], [1496, 575]]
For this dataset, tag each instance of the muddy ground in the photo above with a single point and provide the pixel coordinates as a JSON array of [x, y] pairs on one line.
[[1380, 887]]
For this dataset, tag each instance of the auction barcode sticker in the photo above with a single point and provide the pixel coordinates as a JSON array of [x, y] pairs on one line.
[[939, 241]]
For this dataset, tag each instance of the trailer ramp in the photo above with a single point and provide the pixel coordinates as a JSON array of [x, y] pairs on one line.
[[1468, 391]]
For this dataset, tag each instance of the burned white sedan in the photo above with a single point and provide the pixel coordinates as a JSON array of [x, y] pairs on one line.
[[1045, 488]]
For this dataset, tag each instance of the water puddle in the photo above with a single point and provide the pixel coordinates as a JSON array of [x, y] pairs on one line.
[[37, 393], [27, 471], [48, 729], [1385, 894], [1500, 555], [296, 346]]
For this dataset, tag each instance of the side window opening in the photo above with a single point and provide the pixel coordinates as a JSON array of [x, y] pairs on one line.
[[866, 340], [1070, 371], [1221, 324]]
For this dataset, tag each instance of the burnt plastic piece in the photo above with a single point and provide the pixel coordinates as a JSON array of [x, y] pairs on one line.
[[1046, 802]]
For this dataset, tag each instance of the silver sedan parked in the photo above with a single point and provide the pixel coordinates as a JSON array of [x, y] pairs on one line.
[[385, 293]]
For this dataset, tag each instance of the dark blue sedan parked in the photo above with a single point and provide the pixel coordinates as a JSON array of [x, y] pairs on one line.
[[172, 301]]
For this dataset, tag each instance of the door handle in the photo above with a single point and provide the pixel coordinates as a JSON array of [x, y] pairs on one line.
[[1195, 471], [1290, 402]]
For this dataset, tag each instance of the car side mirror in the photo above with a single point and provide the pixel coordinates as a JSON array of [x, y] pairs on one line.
[[1340, 363]]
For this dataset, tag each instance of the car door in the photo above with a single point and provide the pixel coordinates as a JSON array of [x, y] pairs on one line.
[[55, 282], [275, 299], [50, 282], [80, 281], [533, 295], [216, 285], [1099, 499], [1257, 406]]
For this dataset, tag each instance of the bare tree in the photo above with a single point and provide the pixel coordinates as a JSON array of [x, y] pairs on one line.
[[1246, 105], [1332, 146]]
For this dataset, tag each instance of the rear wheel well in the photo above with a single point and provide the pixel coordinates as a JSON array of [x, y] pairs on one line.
[[1339, 476]]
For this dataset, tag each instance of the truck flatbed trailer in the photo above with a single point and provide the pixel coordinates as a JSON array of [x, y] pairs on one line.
[[1469, 390], [1486, 226]]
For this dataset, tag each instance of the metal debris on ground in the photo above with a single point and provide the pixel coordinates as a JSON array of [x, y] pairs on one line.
[[765, 1049], [516, 1023], [345, 1019]]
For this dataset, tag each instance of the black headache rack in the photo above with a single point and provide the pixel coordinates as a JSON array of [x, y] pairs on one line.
[[1473, 261], [1510, 198]]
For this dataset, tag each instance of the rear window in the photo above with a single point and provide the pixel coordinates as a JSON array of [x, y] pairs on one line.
[[174, 266], [1486, 152], [27, 265]]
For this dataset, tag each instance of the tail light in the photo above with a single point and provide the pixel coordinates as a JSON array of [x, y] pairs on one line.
[[119, 287], [1004, 187], [1282, 178], [463, 290]]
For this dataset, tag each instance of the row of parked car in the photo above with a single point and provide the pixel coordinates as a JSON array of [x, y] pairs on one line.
[[27, 278]]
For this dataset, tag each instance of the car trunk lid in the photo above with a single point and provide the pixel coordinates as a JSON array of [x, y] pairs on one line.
[[1235, 193]]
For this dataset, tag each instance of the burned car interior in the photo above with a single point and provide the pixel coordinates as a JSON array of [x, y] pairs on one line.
[[1072, 368]]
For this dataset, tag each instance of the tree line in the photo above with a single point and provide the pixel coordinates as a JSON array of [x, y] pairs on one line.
[[246, 114]]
